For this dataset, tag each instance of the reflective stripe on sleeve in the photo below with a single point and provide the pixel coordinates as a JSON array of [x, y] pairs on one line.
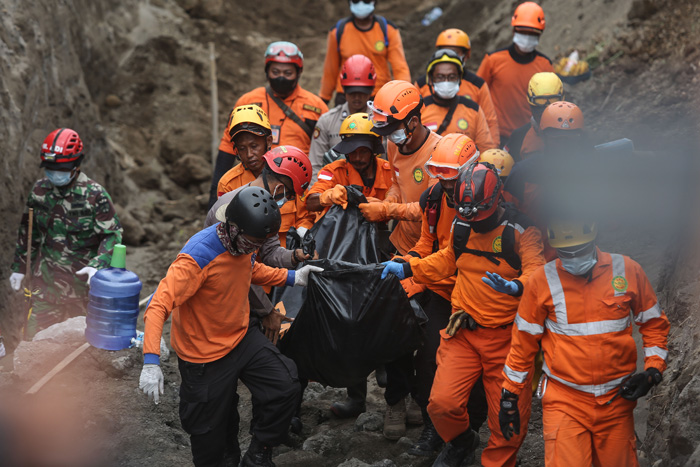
[[618, 269], [595, 389], [526, 326], [555, 288], [589, 329], [515, 376], [655, 351], [651, 313]]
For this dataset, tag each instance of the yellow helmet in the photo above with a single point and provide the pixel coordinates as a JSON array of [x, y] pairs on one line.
[[453, 38], [250, 118], [445, 56], [564, 234], [500, 159], [356, 132], [544, 88]]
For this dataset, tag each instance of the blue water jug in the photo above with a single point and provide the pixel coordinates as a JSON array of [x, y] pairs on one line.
[[113, 307]]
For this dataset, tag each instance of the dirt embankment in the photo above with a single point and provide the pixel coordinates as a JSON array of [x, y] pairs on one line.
[[132, 78]]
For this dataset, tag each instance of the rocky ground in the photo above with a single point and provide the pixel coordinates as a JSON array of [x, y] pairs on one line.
[[132, 78]]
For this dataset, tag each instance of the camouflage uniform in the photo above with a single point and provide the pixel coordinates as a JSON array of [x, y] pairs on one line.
[[74, 227]]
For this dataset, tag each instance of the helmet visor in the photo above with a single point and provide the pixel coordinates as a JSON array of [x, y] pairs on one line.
[[283, 48], [545, 99]]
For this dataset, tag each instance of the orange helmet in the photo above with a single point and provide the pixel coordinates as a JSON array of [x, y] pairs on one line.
[[500, 159], [528, 15], [395, 101], [562, 116], [452, 153], [453, 38]]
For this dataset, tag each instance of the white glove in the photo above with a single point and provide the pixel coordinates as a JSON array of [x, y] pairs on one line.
[[302, 232], [164, 350], [87, 270], [301, 276], [16, 281], [152, 381]]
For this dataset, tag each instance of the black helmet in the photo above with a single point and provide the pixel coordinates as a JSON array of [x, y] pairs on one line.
[[254, 212]]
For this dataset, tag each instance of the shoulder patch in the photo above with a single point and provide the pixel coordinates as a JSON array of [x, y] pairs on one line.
[[312, 108], [430, 100], [422, 81], [324, 174], [473, 78], [204, 246], [317, 132], [467, 102]]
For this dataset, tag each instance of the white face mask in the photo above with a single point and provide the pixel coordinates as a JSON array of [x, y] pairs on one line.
[[398, 137], [361, 10], [526, 42], [446, 89], [580, 265]]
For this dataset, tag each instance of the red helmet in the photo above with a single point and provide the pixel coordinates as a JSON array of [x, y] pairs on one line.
[[63, 148], [358, 75], [284, 52], [291, 162], [477, 192]]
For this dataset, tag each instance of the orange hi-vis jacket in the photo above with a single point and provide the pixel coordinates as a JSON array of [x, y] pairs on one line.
[[308, 106], [237, 177], [508, 73], [426, 244], [409, 181], [369, 43], [474, 88], [524, 142], [488, 307], [585, 327], [341, 172], [206, 290], [468, 119]]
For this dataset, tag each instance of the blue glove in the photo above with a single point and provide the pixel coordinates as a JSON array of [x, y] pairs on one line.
[[394, 268], [499, 284]]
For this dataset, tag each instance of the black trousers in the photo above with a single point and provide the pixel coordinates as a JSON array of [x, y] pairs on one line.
[[208, 392], [224, 163]]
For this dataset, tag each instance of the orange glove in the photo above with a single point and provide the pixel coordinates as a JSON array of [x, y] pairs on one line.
[[374, 212], [373, 200], [336, 195], [412, 287]]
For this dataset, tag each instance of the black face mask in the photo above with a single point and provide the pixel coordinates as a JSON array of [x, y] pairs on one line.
[[485, 225], [282, 85]]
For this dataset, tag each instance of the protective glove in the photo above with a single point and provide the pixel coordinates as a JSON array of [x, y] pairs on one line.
[[456, 321], [301, 276], [374, 212], [392, 267], [16, 281], [639, 385], [301, 231], [87, 270], [151, 381], [164, 350], [336, 195], [499, 284], [509, 415]]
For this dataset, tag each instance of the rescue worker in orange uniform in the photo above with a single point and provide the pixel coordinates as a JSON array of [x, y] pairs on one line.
[[204, 290], [507, 71], [501, 160], [362, 166], [543, 89], [452, 153], [395, 113], [578, 308], [494, 249], [357, 78], [292, 110], [472, 87], [251, 135], [367, 34], [447, 112]]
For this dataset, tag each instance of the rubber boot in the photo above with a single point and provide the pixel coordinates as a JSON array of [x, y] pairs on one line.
[[395, 420], [429, 441], [458, 450], [258, 455]]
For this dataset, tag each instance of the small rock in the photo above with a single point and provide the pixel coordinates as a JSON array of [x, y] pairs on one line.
[[32, 359], [325, 442], [68, 332], [298, 459], [147, 176], [190, 169], [405, 441], [113, 101], [354, 462], [134, 232], [369, 421]]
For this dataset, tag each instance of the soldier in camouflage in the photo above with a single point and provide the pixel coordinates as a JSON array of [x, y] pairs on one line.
[[75, 228]]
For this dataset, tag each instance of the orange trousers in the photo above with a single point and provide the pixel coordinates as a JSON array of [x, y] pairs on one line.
[[460, 361], [580, 432]]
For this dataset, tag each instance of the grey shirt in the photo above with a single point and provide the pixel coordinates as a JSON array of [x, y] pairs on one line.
[[326, 135]]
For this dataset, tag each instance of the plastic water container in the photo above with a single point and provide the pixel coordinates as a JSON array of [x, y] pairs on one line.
[[113, 307]]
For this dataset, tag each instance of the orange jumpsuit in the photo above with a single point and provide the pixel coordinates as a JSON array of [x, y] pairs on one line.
[[341, 172], [467, 119], [285, 131], [237, 177], [585, 329], [409, 181], [370, 44], [206, 290], [463, 358], [474, 88], [524, 141], [508, 73]]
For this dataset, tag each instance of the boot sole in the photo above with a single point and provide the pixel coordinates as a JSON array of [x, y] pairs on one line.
[[394, 436]]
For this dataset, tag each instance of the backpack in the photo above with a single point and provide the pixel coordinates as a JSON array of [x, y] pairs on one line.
[[430, 202], [340, 26]]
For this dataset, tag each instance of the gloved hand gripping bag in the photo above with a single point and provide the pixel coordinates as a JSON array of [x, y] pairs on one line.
[[351, 322]]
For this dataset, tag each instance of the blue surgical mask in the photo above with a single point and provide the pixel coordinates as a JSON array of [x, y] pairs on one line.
[[280, 202], [526, 42], [580, 265], [398, 137], [361, 10], [446, 89], [59, 178]]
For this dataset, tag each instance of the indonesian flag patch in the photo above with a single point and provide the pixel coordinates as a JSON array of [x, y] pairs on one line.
[[325, 175]]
